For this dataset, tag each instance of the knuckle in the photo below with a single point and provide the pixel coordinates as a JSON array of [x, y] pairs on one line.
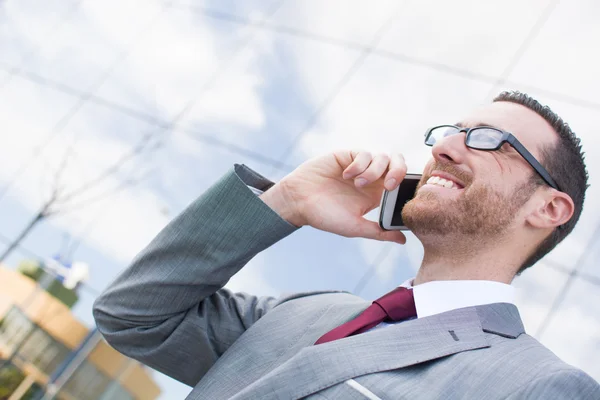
[[384, 158], [367, 154], [353, 153], [400, 159], [355, 156]]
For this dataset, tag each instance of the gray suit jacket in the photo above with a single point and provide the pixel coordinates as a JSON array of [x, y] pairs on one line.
[[170, 311]]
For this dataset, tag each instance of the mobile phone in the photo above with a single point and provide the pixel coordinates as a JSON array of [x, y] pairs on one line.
[[392, 203]]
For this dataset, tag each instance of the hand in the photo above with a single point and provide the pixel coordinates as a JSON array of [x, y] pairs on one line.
[[325, 192]]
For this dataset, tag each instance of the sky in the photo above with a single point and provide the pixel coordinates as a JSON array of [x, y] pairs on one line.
[[271, 83]]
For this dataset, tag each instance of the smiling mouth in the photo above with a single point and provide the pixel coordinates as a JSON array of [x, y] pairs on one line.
[[445, 183]]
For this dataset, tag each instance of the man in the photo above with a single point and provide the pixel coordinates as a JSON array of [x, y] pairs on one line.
[[452, 332]]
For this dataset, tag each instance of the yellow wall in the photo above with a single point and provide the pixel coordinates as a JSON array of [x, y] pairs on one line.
[[57, 319], [42, 308]]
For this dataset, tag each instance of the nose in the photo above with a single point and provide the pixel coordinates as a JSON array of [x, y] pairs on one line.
[[450, 149]]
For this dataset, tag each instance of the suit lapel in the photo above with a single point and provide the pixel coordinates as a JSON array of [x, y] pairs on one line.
[[315, 368]]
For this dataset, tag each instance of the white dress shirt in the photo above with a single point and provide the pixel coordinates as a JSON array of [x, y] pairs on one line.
[[440, 296]]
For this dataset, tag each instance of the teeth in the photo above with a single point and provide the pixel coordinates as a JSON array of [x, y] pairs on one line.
[[436, 180]]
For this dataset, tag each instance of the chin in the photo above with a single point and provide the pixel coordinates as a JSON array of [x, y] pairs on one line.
[[426, 203], [426, 218]]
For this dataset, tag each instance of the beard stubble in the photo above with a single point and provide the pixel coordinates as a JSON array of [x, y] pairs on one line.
[[479, 210]]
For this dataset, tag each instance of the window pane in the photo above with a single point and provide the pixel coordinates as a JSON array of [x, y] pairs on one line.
[[14, 328], [87, 383], [44, 351], [39, 348]]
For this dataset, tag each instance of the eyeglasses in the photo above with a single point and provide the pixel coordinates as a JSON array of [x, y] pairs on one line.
[[488, 138]]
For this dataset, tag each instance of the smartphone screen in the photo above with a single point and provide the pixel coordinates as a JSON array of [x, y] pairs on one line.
[[406, 192]]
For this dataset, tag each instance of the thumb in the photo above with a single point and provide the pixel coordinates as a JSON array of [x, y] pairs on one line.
[[372, 230]]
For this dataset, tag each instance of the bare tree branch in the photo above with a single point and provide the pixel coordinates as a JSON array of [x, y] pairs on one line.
[[121, 186], [112, 170]]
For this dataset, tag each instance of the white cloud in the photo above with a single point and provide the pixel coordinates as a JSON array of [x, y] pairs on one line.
[[561, 58], [470, 35], [178, 48], [134, 218], [112, 18], [26, 24], [350, 21], [251, 279], [182, 62]]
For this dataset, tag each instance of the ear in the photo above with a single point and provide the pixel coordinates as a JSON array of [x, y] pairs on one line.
[[553, 210]]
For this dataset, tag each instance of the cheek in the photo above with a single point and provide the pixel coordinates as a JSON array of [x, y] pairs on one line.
[[512, 171], [510, 168], [499, 172], [489, 180], [515, 177], [499, 164]]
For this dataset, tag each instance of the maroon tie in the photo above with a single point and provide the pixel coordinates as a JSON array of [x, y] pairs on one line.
[[397, 305]]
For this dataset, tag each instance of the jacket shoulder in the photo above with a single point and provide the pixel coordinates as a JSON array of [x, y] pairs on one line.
[[316, 298], [565, 383], [539, 373]]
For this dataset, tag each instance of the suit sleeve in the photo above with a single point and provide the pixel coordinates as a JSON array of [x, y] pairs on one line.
[[567, 384], [169, 309]]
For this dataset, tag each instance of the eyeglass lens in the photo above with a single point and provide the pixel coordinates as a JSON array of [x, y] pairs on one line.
[[484, 138], [479, 138]]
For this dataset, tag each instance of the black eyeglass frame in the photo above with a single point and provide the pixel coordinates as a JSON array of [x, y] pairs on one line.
[[507, 137]]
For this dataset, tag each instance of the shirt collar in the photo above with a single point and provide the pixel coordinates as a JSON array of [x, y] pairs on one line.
[[436, 297]]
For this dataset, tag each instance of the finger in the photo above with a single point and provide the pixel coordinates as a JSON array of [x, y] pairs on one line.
[[376, 169], [371, 230], [359, 165], [397, 171]]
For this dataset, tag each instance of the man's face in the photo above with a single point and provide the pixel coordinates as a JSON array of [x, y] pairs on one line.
[[489, 187]]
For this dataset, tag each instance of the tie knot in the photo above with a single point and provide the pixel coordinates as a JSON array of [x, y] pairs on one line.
[[398, 304]]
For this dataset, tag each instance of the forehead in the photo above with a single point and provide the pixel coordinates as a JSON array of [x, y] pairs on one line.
[[530, 128]]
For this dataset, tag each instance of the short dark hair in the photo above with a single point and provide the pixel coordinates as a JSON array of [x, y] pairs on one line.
[[566, 164]]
